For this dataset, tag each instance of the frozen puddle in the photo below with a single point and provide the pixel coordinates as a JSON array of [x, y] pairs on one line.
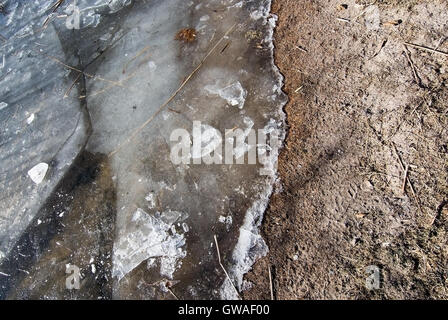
[[144, 224]]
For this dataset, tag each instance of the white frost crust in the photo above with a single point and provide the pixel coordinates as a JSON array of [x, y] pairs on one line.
[[251, 246]]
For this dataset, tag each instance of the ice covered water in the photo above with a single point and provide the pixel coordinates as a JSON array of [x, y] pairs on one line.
[[139, 84], [37, 125]]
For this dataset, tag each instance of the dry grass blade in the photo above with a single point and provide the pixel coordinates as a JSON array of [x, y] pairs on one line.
[[53, 8], [134, 58], [271, 286], [224, 269], [56, 5], [110, 86], [172, 293], [66, 94], [115, 83], [406, 171], [414, 70], [416, 46], [405, 178]]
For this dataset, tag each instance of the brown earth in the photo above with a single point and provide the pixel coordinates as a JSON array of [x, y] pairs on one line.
[[364, 109]]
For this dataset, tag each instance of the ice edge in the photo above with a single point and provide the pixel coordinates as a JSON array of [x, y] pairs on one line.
[[251, 245]]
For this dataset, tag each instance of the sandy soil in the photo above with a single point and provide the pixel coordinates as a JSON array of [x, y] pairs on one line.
[[364, 173]]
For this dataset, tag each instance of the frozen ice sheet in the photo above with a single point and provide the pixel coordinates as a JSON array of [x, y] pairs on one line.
[[37, 125], [166, 214]]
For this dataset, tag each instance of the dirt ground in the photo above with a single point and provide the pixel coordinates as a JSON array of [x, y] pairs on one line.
[[364, 172]]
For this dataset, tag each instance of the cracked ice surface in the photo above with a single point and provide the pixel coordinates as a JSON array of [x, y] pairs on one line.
[[37, 126], [166, 214]]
